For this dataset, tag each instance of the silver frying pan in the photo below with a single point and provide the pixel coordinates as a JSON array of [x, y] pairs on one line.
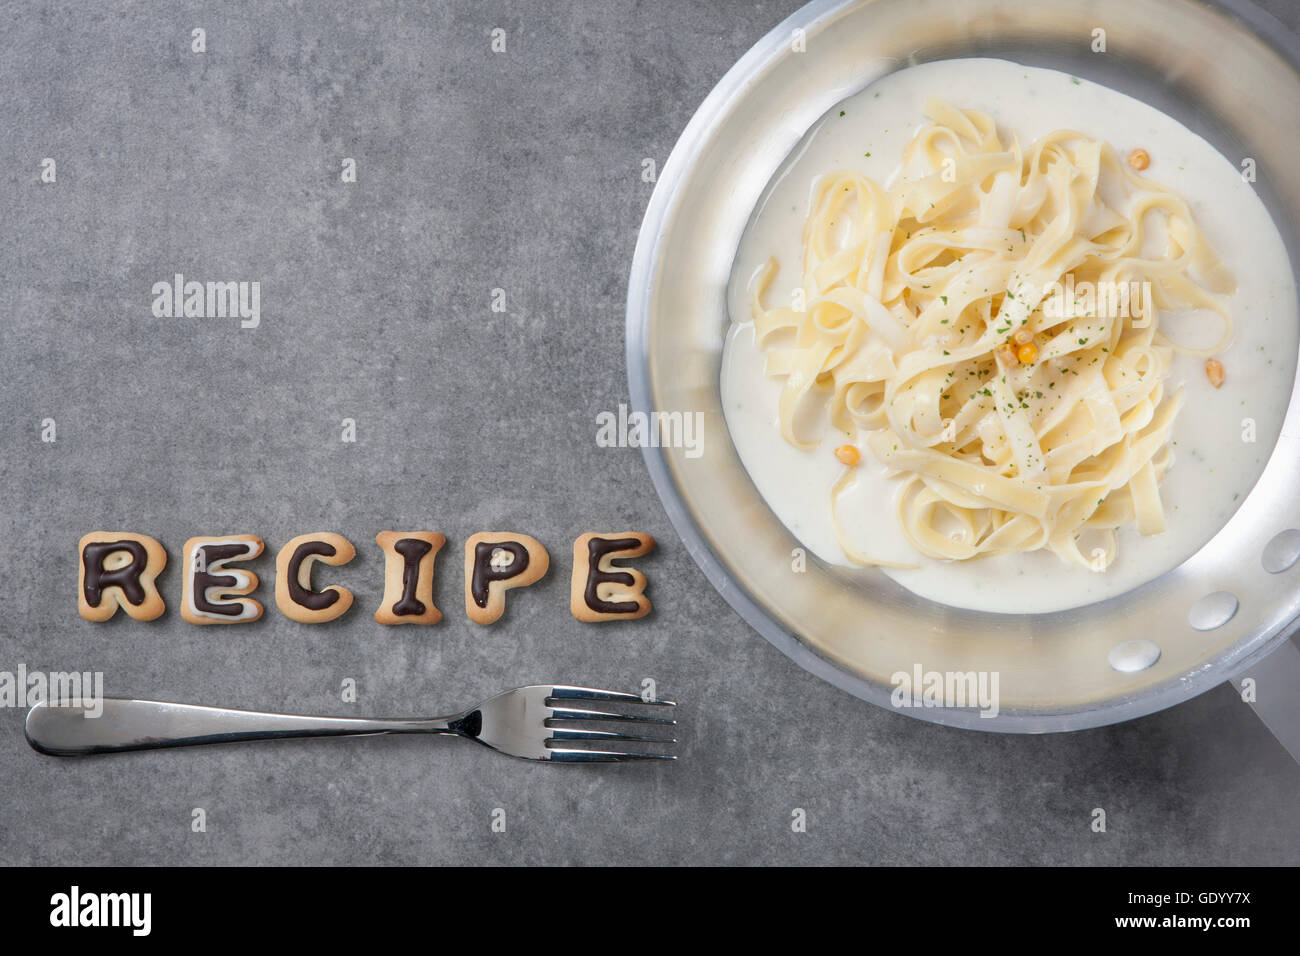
[[1226, 71]]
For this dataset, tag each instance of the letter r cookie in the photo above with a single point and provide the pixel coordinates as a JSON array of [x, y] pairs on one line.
[[119, 569]]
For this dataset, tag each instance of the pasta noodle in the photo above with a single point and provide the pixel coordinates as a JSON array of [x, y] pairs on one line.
[[989, 327]]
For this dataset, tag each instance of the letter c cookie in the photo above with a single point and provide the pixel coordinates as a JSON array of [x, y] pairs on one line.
[[294, 594]]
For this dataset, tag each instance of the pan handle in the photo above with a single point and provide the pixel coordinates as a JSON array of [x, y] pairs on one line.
[[1276, 692]]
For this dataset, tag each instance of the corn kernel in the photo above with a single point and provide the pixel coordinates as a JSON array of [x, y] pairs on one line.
[[848, 454], [1027, 353], [1139, 159], [1214, 372]]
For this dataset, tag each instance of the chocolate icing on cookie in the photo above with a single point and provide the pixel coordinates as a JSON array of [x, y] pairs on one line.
[[294, 564], [313, 600], [485, 573], [597, 548], [213, 593], [202, 580], [411, 550], [97, 578]]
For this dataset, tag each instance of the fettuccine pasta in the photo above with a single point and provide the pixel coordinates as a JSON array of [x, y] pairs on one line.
[[988, 327]]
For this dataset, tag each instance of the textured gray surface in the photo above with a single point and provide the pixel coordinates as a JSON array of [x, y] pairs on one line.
[[476, 171]]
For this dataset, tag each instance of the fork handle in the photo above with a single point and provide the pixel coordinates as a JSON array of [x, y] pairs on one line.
[[67, 730]]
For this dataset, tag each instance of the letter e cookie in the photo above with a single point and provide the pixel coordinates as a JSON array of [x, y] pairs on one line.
[[601, 590], [212, 592]]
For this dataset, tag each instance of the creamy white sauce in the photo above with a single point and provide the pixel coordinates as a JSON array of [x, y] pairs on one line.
[[1214, 467]]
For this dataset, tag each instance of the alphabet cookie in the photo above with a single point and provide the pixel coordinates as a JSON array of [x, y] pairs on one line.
[[601, 590], [213, 593], [495, 562], [119, 569], [408, 576], [293, 591]]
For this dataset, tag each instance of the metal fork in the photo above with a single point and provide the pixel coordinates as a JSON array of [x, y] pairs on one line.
[[519, 722]]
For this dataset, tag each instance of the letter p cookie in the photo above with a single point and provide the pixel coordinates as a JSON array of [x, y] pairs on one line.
[[495, 562]]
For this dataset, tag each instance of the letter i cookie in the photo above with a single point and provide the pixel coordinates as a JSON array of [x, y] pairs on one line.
[[495, 562], [214, 593], [294, 594], [119, 569], [408, 577], [603, 591]]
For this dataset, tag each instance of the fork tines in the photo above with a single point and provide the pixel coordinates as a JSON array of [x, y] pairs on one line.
[[560, 710]]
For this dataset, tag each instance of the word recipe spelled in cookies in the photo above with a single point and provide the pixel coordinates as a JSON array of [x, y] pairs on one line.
[[119, 569]]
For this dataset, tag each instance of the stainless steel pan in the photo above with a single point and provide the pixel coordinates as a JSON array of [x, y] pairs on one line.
[[1226, 71]]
